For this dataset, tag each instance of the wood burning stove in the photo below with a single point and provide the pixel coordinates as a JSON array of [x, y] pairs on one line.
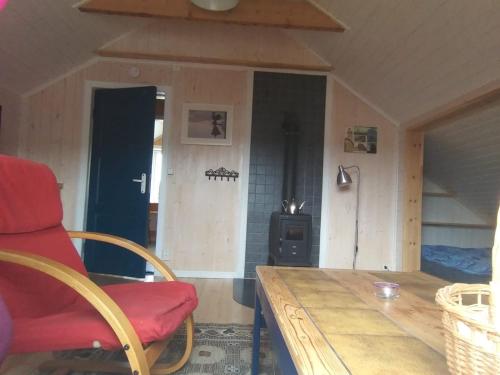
[[290, 232], [290, 240]]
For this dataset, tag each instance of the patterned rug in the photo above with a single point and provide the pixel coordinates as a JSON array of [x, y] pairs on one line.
[[224, 349]]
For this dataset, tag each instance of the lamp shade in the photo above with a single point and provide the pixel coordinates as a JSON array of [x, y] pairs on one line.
[[343, 178], [216, 5]]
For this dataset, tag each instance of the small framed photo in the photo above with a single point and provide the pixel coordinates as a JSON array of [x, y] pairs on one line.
[[207, 124], [361, 139]]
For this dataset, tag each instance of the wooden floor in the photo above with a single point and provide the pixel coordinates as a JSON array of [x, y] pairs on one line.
[[216, 305]]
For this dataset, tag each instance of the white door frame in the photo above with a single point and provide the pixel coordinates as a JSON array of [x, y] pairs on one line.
[[83, 178]]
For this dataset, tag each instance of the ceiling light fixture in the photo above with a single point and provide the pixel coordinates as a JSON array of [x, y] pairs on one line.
[[216, 5]]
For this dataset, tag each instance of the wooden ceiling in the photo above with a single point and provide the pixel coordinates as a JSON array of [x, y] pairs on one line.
[[463, 156], [405, 57], [42, 39], [298, 14], [409, 57]]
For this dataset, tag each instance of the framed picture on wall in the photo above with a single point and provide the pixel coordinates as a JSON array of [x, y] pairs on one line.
[[207, 124], [361, 139]]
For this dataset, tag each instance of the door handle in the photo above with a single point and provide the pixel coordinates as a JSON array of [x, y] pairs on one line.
[[142, 181]]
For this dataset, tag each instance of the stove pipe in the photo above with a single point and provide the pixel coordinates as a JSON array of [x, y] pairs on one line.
[[290, 169]]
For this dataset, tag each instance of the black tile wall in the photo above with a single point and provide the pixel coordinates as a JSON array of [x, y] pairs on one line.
[[302, 99]]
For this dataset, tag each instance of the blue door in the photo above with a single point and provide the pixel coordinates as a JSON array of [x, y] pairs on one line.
[[120, 168]]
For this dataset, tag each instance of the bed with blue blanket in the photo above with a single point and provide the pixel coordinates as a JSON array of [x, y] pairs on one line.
[[456, 264]]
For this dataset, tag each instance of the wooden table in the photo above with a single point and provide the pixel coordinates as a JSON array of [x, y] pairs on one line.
[[330, 322]]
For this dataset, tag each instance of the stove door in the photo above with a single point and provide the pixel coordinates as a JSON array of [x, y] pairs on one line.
[[294, 240]]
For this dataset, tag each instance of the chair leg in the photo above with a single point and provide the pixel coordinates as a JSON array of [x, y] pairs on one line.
[[155, 350], [164, 369]]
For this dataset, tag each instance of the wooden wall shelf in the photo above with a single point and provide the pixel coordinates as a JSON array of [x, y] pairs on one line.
[[458, 225]]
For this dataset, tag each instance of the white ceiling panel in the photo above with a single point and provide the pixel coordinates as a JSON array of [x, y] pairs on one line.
[[410, 56], [41, 39], [463, 156], [407, 57]]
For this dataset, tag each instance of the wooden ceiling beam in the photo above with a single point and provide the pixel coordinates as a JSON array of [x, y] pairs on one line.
[[294, 14], [212, 60], [466, 105]]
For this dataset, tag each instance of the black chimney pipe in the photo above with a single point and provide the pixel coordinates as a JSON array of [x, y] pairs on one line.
[[290, 169]]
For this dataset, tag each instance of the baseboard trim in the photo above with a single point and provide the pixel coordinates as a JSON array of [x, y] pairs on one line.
[[206, 274]]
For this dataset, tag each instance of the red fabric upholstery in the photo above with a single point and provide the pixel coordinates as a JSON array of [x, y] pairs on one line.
[[29, 196], [30, 221], [30, 294], [155, 310], [47, 315]]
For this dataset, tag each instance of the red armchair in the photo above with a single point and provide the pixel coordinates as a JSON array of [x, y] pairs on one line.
[[55, 306]]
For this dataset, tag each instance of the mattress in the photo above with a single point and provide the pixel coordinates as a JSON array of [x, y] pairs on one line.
[[456, 264]]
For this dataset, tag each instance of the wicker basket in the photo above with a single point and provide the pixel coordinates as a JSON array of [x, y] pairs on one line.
[[471, 318], [471, 341]]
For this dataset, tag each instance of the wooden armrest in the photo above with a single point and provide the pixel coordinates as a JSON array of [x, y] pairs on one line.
[[109, 310], [129, 245]]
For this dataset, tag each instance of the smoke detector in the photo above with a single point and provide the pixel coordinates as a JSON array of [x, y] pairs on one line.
[[216, 5]]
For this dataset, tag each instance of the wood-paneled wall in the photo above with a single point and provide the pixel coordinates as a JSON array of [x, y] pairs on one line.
[[439, 206], [410, 198], [203, 220], [9, 121], [216, 43], [378, 197], [53, 123]]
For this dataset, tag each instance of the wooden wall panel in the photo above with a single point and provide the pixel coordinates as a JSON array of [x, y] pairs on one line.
[[204, 217], [203, 221], [448, 209], [471, 117], [412, 200], [377, 213], [217, 44], [11, 117]]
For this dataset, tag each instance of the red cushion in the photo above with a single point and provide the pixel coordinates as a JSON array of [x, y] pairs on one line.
[[155, 310], [30, 293], [30, 221], [29, 196]]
